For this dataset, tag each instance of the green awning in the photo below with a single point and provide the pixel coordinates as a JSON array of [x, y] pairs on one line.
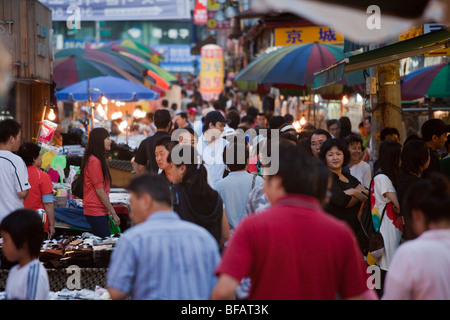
[[393, 52]]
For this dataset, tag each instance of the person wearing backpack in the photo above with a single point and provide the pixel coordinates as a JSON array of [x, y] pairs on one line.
[[385, 206]]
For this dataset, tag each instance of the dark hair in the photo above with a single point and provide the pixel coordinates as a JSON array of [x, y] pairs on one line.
[[166, 142], [289, 137], [412, 137], [96, 148], [25, 228], [154, 185], [9, 128], [165, 103], [162, 118], [352, 138], [319, 132], [288, 118], [338, 143], [182, 115], [275, 122], [252, 112], [345, 123], [388, 131], [29, 151], [333, 122], [232, 155], [301, 173], [389, 159], [235, 119], [431, 196], [248, 120], [195, 180], [415, 154]]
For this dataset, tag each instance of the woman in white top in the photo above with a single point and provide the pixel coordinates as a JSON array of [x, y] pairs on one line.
[[358, 168], [384, 198], [419, 269]]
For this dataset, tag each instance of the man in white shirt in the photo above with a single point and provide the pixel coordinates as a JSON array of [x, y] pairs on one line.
[[13, 171], [211, 146]]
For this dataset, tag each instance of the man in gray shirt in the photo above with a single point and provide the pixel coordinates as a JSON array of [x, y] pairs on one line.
[[237, 185]]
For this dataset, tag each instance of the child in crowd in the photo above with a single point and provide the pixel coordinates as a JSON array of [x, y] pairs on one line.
[[22, 232]]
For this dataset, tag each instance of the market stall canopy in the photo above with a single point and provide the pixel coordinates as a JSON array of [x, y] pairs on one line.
[[433, 82], [70, 70], [111, 87], [393, 52], [364, 21], [99, 56], [135, 48], [295, 65]]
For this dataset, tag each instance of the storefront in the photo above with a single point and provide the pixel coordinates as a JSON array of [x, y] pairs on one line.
[[26, 35]]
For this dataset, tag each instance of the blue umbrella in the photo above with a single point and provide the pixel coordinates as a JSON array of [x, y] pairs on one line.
[[111, 87]]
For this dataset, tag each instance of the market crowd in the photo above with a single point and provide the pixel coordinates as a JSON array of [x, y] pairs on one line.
[[212, 219]]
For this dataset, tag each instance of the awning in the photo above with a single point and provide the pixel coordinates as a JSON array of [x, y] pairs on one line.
[[393, 52]]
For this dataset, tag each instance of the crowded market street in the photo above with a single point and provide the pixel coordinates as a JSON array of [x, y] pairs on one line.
[[224, 150]]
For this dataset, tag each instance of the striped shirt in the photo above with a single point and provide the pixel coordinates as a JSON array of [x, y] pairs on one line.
[[164, 258], [29, 282]]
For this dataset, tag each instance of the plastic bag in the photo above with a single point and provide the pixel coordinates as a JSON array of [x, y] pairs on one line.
[[113, 228]]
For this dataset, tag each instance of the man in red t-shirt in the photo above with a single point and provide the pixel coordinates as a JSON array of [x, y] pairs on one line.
[[293, 250]]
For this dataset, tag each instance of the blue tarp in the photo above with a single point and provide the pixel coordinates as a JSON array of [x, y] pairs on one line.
[[73, 217]]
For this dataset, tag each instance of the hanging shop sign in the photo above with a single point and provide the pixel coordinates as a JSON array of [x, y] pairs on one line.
[[200, 15], [321, 34], [211, 72], [119, 10]]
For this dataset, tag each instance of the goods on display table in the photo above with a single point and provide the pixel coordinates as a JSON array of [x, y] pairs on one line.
[[89, 254]]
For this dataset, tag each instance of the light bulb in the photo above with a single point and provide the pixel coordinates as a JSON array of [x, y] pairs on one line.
[[51, 115]]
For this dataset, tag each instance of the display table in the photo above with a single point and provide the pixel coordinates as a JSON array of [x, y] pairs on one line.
[[63, 278]]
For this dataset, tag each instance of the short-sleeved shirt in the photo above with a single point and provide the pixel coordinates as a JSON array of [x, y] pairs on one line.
[[392, 224], [294, 250], [419, 269], [41, 184], [29, 282], [212, 155], [145, 155], [164, 258], [234, 190], [93, 179], [13, 179], [362, 172]]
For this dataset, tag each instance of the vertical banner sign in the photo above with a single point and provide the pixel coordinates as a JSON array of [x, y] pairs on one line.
[[211, 72], [200, 12], [213, 24]]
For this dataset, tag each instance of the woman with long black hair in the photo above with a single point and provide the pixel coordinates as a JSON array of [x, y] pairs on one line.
[[96, 180], [385, 205], [192, 197]]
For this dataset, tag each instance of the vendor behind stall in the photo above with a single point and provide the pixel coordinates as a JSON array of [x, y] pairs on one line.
[[40, 195], [96, 180]]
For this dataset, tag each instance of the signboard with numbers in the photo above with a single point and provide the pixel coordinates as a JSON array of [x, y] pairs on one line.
[[119, 10], [291, 36], [211, 72]]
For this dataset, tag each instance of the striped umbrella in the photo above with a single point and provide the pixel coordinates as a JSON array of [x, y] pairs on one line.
[[100, 56], [295, 65], [70, 70], [135, 48], [431, 82]]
